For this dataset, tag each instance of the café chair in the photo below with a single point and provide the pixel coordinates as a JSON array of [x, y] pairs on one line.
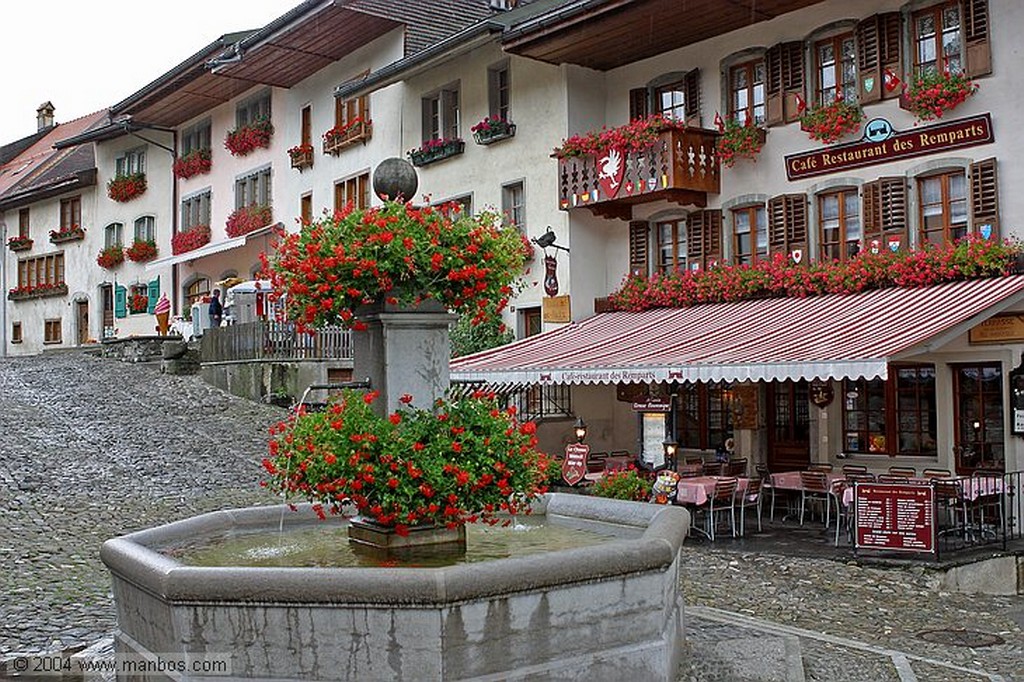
[[747, 498], [937, 473], [890, 478], [821, 466], [854, 469], [814, 486], [860, 478], [712, 468], [690, 470], [736, 467], [906, 472], [987, 496], [765, 475], [722, 501], [951, 506]]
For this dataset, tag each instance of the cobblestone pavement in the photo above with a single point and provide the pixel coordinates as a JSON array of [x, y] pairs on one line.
[[93, 448]]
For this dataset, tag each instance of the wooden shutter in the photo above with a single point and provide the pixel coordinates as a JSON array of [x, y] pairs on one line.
[[450, 114], [871, 212], [784, 67], [985, 198], [695, 240], [878, 54], [639, 232], [637, 103], [704, 238], [976, 34], [773, 85], [153, 294], [890, 50], [120, 301], [787, 225], [885, 214], [691, 87]]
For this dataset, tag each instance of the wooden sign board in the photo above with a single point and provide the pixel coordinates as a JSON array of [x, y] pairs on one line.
[[574, 466], [998, 329], [745, 406], [556, 309]]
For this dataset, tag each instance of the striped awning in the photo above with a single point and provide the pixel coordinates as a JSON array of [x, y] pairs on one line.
[[834, 336]]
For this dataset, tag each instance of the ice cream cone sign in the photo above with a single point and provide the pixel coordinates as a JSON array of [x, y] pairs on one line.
[[163, 314]]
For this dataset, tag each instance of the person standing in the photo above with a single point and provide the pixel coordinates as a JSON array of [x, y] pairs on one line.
[[216, 309]]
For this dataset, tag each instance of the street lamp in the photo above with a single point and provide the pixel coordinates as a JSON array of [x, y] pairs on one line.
[[581, 429], [670, 446]]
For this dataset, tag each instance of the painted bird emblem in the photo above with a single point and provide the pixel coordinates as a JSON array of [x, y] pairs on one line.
[[610, 165]]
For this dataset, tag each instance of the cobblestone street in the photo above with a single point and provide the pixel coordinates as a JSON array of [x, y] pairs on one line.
[[93, 448]]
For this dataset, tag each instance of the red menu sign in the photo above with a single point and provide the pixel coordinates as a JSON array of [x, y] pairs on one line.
[[897, 517], [574, 466]]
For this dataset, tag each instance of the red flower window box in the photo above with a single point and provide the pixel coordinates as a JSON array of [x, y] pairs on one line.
[[19, 243], [301, 156], [247, 138], [110, 257], [196, 162], [126, 187], [932, 94], [833, 121], [141, 251], [347, 134], [67, 234], [190, 239], [247, 219], [38, 291]]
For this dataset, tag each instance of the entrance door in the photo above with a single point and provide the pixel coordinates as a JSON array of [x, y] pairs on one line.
[[108, 310], [789, 431], [82, 315]]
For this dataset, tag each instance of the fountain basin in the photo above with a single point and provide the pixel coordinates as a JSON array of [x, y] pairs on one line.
[[610, 611]]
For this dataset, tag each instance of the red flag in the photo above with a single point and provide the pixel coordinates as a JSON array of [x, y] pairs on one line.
[[719, 123], [748, 120], [801, 105], [892, 81]]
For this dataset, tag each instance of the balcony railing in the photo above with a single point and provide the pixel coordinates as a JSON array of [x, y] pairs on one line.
[[680, 166], [269, 340]]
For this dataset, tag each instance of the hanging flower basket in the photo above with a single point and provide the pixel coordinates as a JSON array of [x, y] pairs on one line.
[[19, 243], [248, 218], [833, 121], [247, 138], [347, 134], [110, 257], [436, 150], [301, 156], [141, 251], [138, 303], [196, 162], [126, 187], [932, 94], [67, 234], [740, 142], [492, 129], [190, 239]]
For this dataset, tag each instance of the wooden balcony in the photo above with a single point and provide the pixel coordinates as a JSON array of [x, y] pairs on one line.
[[680, 166]]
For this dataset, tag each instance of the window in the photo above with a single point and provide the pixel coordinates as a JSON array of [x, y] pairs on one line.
[[746, 92], [196, 291], [836, 69], [195, 210], [306, 208], [195, 137], [52, 331], [113, 235], [306, 124], [864, 415], [895, 417], [70, 212], [499, 94], [138, 298], [544, 402], [459, 206], [253, 109], [42, 270], [145, 229], [839, 230], [23, 223], [530, 322], [441, 114], [675, 95], [670, 101], [879, 57], [513, 205], [354, 190], [131, 162], [784, 82], [979, 417], [943, 200], [704, 415], [750, 227], [16, 332], [787, 225], [671, 236], [346, 111], [253, 189], [915, 411], [937, 39]]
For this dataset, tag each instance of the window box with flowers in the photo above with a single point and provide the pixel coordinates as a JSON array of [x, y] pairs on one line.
[[141, 251], [19, 243], [831, 122], [38, 291], [740, 142], [247, 138], [248, 218], [110, 257], [67, 234], [492, 129], [301, 156], [196, 162], [932, 94], [190, 239], [345, 135], [435, 150], [138, 303], [124, 188]]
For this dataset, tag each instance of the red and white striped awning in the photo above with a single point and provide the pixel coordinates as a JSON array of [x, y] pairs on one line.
[[835, 336]]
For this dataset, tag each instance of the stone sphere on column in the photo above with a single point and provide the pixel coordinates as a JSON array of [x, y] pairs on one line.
[[395, 179]]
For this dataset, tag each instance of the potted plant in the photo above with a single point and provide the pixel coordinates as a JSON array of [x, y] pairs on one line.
[[493, 129], [740, 142], [19, 243], [67, 234], [248, 218], [436, 149], [830, 122], [38, 291], [246, 138], [196, 162], [138, 303], [346, 134], [123, 188], [110, 257], [301, 156], [624, 484], [141, 251], [190, 239], [935, 92]]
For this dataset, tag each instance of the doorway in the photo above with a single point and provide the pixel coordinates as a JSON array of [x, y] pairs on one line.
[[789, 427], [82, 319]]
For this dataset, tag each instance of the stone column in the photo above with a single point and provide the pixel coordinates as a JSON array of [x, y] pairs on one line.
[[403, 350]]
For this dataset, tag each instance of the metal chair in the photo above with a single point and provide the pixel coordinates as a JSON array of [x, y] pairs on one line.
[[765, 475], [721, 500], [749, 497], [854, 469], [949, 501], [712, 468], [937, 473], [821, 466], [690, 470], [736, 467], [906, 472], [814, 486]]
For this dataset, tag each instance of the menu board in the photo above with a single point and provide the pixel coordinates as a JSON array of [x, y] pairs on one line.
[[653, 439], [898, 517]]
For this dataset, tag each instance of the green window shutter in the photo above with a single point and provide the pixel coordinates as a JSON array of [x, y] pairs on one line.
[[153, 295], [120, 301]]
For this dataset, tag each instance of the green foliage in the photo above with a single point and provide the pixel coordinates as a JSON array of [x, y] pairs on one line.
[[468, 338], [625, 484]]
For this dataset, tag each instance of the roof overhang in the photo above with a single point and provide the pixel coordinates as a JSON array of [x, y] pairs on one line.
[[835, 336], [69, 183], [606, 34]]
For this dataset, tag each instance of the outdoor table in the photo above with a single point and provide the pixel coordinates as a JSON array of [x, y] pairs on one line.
[[790, 480], [697, 489]]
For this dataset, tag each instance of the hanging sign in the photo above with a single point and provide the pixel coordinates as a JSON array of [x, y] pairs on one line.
[[998, 329], [555, 309], [574, 466], [821, 393], [881, 144]]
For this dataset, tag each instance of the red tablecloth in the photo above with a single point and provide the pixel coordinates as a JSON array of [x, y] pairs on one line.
[[790, 480]]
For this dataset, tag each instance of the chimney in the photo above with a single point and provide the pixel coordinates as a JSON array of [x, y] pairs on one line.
[[44, 116]]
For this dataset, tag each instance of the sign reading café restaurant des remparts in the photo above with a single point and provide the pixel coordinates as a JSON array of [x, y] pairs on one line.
[[964, 132]]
